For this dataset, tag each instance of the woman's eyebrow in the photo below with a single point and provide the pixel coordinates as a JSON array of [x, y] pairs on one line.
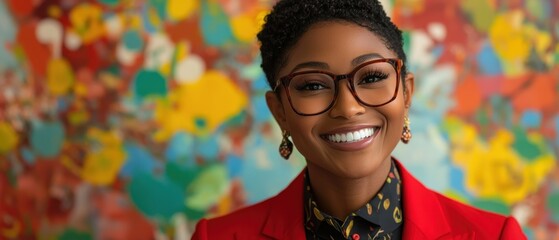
[[319, 65], [363, 58]]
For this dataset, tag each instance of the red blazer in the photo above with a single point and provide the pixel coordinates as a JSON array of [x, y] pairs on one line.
[[427, 215]]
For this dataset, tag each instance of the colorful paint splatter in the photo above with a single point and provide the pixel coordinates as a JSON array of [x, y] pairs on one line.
[[133, 119]]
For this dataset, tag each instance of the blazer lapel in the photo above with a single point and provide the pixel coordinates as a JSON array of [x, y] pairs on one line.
[[285, 219], [424, 217]]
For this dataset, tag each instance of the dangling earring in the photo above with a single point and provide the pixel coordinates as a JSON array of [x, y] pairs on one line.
[[406, 133], [286, 146]]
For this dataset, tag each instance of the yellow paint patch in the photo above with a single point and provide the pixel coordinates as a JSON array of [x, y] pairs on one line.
[[102, 165], [494, 169], [60, 77], [199, 107], [9, 138], [245, 27], [179, 9], [54, 11], [509, 37], [87, 22]]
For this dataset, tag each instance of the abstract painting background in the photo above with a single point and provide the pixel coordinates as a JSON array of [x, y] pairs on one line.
[[134, 119]]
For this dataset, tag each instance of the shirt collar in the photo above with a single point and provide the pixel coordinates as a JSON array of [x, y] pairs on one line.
[[384, 209]]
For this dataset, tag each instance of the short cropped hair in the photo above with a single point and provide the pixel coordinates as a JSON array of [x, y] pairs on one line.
[[290, 19]]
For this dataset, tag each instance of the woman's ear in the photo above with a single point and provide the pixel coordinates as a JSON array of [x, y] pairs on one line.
[[408, 89], [276, 107]]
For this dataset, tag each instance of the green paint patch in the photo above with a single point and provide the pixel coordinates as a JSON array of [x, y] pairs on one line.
[[156, 197], [481, 13], [73, 234], [492, 205], [149, 84], [406, 35], [180, 175], [200, 123], [207, 188], [482, 117], [527, 149], [552, 204]]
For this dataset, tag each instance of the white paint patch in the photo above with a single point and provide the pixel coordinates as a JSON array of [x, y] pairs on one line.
[[420, 50], [437, 31], [72, 41], [190, 69], [159, 51], [113, 26], [124, 55], [49, 32]]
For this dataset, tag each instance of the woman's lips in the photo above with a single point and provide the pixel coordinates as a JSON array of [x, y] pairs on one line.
[[351, 140], [351, 136]]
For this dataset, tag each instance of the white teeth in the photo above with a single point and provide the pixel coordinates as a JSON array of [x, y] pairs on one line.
[[352, 136]]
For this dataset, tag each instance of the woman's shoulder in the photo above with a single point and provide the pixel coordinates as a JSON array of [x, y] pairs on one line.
[[462, 217]]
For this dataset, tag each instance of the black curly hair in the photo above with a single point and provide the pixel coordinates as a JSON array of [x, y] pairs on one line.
[[290, 19]]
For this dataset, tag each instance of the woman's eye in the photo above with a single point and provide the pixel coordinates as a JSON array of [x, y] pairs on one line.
[[373, 77], [311, 87]]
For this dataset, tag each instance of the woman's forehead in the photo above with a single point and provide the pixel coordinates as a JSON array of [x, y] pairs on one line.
[[335, 43]]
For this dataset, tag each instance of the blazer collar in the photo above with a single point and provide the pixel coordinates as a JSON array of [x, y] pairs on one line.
[[423, 215]]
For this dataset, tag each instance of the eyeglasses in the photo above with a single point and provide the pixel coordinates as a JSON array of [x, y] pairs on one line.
[[373, 83]]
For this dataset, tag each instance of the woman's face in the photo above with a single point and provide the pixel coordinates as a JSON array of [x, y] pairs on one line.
[[337, 46]]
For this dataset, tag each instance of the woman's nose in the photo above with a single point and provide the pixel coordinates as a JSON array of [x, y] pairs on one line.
[[346, 104]]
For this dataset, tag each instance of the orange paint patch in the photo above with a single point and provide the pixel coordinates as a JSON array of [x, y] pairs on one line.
[[21, 8], [36, 53], [537, 94], [468, 97]]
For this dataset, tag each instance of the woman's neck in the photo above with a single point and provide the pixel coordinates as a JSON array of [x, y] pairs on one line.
[[340, 196]]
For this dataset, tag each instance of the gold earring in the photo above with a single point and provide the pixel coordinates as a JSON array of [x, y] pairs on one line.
[[286, 146], [406, 132]]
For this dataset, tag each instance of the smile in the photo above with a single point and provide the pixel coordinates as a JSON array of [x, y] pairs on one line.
[[353, 136]]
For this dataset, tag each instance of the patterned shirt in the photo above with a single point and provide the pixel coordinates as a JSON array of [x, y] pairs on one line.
[[380, 218]]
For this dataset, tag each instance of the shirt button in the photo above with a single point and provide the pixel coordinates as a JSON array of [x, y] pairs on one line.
[[355, 236]]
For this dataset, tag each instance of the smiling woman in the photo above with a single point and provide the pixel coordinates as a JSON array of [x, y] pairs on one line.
[[341, 92]]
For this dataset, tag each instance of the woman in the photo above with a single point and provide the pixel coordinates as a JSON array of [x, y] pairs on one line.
[[342, 93]]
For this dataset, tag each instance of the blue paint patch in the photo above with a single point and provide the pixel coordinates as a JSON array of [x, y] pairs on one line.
[[531, 119], [457, 180], [133, 41], [261, 83], [234, 165], [8, 30], [46, 138], [148, 25], [488, 61], [261, 112], [215, 27], [180, 149], [264, 172], [138, 161], [207, 148], [438, 51], [62, 104], [28, 155], [557, 130]]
